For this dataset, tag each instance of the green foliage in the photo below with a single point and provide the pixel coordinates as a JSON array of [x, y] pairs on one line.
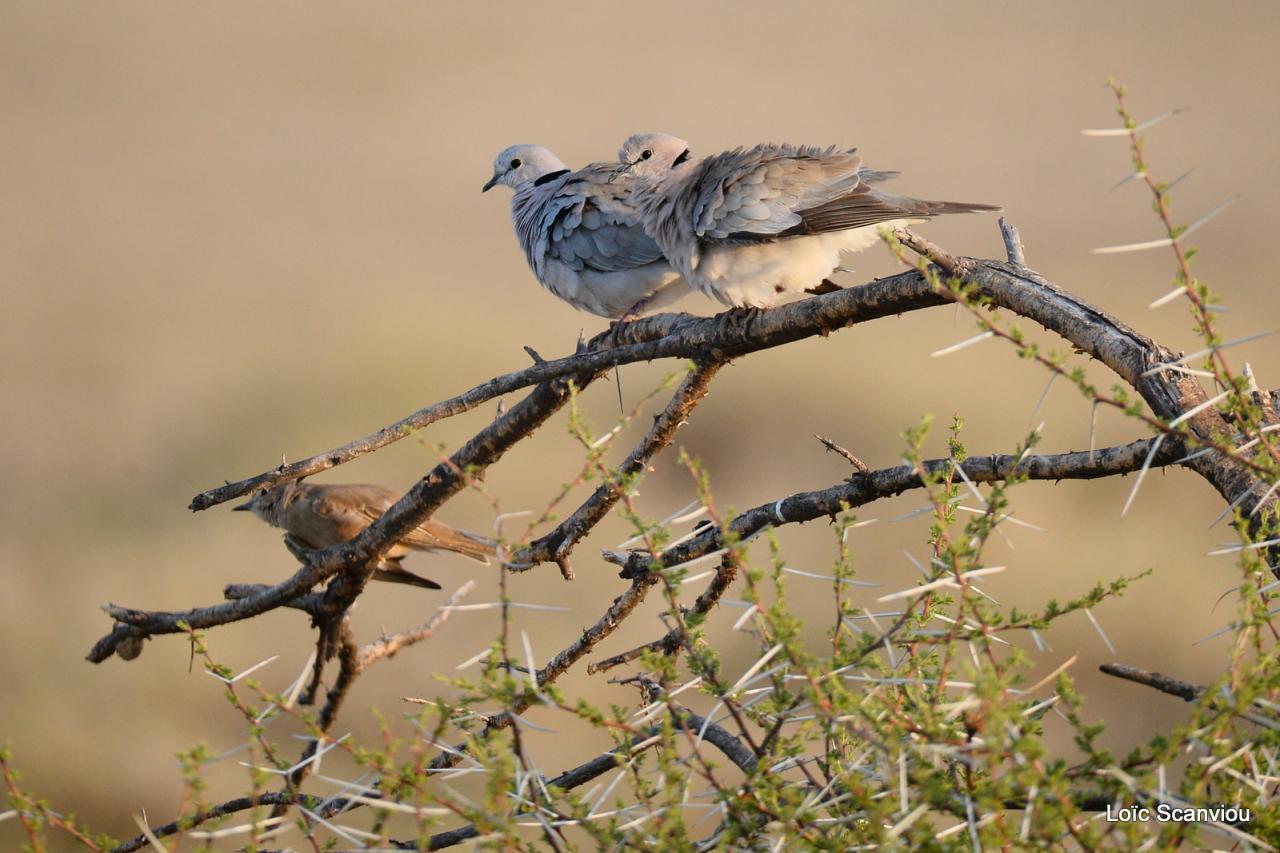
[[913, 726]]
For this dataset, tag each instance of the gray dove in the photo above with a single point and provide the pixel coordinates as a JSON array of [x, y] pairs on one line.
[[319, 516], [581, 236], [749, 225]]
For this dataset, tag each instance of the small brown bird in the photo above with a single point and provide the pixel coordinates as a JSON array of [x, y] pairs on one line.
[[319, 516]]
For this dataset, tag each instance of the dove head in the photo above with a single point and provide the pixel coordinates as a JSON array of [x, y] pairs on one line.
[[651, 155], [521, 165], [269, 504]]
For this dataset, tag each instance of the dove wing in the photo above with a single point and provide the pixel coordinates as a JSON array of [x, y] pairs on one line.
[[585, 221], [774, 191]]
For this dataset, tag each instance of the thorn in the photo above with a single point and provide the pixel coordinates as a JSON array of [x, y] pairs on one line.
[[533, 354], [848, 457], [1126, 179], [502, 409], [1124, 131], [1133, 247], [1252, 380], [1168, 297], [1178, 180], [967, 342]]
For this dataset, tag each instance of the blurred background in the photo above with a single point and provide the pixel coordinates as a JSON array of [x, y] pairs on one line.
[[234, 231]]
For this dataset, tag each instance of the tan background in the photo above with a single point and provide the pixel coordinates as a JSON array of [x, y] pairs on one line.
[[231, 231]]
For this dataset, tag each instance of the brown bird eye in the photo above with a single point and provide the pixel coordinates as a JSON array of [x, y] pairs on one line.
[[646, 154], [515, 164]]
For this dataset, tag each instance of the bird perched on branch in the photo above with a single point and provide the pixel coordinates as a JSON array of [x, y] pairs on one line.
[[319, 516], [581, 237], [749, 225]]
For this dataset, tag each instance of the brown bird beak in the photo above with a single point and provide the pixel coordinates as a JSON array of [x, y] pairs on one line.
[[244, 507], [491, 183]]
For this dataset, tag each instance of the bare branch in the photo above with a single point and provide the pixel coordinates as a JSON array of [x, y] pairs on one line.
[[559, 543], [388, 646], [1012, 243], [415, 507], [1163, 683], [840, 451], [713, 733], [660, 336], [861, 489], [668, 644]]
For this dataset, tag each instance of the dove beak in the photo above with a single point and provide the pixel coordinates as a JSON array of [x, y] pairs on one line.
[[244, 507], [491, 183]]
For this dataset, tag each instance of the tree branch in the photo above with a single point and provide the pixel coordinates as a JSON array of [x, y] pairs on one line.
[[861, 489], [715, 734], [559, 543], [660, 336], [724, 577], [415, 507], [1163, 683]]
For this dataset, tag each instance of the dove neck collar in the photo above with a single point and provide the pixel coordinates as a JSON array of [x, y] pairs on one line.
[[550, 176]]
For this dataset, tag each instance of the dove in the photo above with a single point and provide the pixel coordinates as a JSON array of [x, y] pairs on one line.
[[318, 516], [581, 237], [747, 226]]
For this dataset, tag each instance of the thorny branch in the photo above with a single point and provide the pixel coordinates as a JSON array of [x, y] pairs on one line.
[[715, 735], [1163, 683], [1184, 690], [415, 507], [862, 489], [1132, 356], [559, 543], [572, 778], [1170, 394]]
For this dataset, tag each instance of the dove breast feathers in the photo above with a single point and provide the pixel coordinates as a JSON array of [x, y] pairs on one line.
[[584, 242]]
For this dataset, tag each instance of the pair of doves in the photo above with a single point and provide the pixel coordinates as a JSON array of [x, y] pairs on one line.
[[744, 227]]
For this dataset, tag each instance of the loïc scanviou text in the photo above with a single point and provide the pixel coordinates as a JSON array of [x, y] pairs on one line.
[[1166, 813]]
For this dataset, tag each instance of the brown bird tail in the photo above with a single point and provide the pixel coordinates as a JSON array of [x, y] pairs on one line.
[[438, 536], [936, 208], [392, 572]]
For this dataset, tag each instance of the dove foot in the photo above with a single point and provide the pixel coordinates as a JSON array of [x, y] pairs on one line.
[[827, 286], [616, 328], [630, 316], [737, 321]]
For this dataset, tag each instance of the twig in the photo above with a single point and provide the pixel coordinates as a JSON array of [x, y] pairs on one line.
[[668, 644], [620, 609], [840, 451], [1163, 683], [715, 734], [388, 646], [1012, 243], [230, 807], [660, 336], [861, 489], [416, 506], [559, 543]]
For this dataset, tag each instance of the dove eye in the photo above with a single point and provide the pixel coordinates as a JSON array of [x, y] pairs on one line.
[[646, 154], [516, 163]]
